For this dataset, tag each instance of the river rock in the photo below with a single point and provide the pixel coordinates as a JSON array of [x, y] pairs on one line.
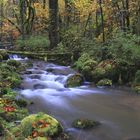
[[35, 76], [60, 71], [39, 86], [75, 80], [84, 123], [104, 82], [38, 125], [28, 72]]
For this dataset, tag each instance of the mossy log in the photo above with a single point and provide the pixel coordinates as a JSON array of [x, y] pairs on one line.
[[60, 58]]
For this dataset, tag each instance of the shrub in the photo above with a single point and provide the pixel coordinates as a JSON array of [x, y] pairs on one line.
[[81, 61], [33, 43], [137, 77]]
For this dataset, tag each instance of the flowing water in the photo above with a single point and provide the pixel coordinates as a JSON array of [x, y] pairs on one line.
[[118, 110]]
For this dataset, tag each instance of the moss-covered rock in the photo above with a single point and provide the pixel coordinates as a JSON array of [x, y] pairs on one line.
[[1, 57], [105, 69], [38, 125], [84, 123], [14, 63], [4, 54], [104, 82], [98, 74], [75, 80]]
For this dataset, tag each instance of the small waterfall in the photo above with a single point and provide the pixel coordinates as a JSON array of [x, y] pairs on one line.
[[17, 57]]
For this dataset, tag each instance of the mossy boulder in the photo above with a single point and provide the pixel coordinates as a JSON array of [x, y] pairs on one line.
[[86, 65], [38, 126], [104, 82], [98, 74], [4, 54], [105, 69], [75, 80], [84, 123], [14, 63]]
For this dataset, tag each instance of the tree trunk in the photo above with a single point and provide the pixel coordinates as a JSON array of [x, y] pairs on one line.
[[54, 23], [1, 20], [127, 14], [102, 19], [67, 13], [22, 17]]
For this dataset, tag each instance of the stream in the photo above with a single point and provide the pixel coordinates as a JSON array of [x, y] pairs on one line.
[[118, 109]]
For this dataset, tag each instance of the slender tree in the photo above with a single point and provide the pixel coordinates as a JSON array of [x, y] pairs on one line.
[[102, 19], [54, 23]]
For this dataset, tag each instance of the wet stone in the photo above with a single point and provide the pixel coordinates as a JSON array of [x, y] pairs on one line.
[[35, 76], [39, 86], [28, 72]]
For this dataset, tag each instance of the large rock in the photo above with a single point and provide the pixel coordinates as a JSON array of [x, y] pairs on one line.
[[14, 63], [104, 82], [60, 71], [84, 123], [75, 80], [4, 54], [105, 69], [38, 125]]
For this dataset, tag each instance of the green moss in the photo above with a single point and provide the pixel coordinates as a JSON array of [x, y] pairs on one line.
[[21, 102], [137, 77], [9, 111], [4, 54], [42, 124], [98, 74], [9, 76], [84, 123], [104, 82], [74, 80], [41, 138], [14, 63], [136, 83], [1, 57]]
